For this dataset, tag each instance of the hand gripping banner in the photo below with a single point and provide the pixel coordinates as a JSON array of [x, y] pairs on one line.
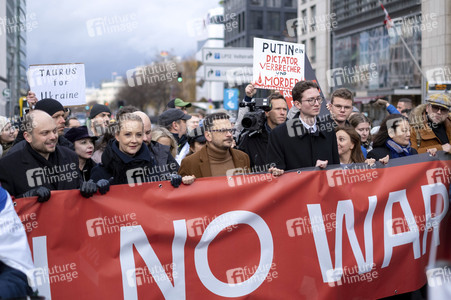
[[340, 233]]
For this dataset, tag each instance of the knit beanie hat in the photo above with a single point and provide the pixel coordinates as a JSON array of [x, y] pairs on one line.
[[49, 105], [97, 109]]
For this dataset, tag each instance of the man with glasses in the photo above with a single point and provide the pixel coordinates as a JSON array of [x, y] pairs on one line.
[[340, 107], [431, 124], [304, 141], [216, 158]]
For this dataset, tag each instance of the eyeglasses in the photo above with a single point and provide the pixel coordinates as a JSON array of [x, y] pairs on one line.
[[311, 101], [436, 108], [224, 130], [340, 107]]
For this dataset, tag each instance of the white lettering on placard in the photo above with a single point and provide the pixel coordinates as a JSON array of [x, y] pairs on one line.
[[137, 237], [345, 209]]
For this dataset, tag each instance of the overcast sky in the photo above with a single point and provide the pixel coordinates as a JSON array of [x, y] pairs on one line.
[[81, 31]]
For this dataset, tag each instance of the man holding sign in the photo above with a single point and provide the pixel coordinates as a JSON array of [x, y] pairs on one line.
[[304, 141]]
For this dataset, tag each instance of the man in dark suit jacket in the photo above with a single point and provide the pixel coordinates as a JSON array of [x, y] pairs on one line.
[[216, 158], [305, 140]]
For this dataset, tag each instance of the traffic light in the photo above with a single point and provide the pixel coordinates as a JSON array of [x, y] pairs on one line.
[[179, 77]]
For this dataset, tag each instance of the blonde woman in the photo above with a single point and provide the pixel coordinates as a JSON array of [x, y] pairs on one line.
[[163, 136]]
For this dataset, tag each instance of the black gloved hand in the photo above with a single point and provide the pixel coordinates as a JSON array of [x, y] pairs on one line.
[[88, 188], [176, 180], [104, 185], [42, 192]]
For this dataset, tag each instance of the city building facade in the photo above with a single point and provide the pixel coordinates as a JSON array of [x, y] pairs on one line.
[[13, 58]]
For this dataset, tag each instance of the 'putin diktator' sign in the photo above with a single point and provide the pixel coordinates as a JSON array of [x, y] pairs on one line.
[[278, 65]]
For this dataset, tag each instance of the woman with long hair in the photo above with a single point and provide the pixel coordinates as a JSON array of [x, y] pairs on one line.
[[7, 135], [362, 126], [348, 142], [163, 136]]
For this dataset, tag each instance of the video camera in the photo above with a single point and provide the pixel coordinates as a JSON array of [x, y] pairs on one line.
[[255, 118]]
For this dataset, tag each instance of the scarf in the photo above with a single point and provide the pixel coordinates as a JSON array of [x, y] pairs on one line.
[[397, 150]]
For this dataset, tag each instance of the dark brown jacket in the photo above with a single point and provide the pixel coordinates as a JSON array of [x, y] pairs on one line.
[[422, 137], [198, 164]]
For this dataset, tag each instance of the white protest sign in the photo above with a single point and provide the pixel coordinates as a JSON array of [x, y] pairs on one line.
[[63, 82], [277, 65]]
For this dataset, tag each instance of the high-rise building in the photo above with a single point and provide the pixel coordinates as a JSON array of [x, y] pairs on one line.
[[372, 60], [258, 18], [313, 28], [13, 65]]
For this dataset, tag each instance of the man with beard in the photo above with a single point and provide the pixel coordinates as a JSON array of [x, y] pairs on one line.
[[41, 165], [56, 111], [100, 118], [217, 157]]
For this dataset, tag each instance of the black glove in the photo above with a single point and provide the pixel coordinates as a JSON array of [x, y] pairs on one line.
[[42, 192], [104, 185], [176, 180], [88, 188]]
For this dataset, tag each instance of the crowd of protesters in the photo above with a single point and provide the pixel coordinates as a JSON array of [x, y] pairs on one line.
[[51, 151]]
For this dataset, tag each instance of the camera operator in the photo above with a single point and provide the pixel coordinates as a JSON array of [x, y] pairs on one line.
[[258, 123]]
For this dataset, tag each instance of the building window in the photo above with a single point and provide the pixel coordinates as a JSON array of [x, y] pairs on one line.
[[313, 18], [257, 2], [304, 21], [291, 3], [312, 50], [274, 3], [274, 21], [256, 20]]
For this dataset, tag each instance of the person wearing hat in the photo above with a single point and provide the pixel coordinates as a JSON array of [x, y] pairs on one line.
[[100, 118], [431, 124], [179, 104], [84, 147], [174, 120], [6, 135], [196, 140]]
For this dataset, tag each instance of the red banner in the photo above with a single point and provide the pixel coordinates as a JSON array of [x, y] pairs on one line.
[[360, 233]]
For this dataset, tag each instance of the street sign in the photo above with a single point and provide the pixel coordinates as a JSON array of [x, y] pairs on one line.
[[231, 99], [233, 75], [227, 56], [6, 93]]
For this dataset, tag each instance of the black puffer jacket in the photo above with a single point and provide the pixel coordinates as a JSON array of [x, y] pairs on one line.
[[126, 169]]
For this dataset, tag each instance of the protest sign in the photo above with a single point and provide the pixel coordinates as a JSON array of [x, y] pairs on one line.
[[361, 233], [63, 82], [277, 65]]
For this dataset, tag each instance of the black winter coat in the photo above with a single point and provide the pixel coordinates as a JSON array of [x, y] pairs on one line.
[[126, 169], [26, 169], [292, 147], [255, 145]]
